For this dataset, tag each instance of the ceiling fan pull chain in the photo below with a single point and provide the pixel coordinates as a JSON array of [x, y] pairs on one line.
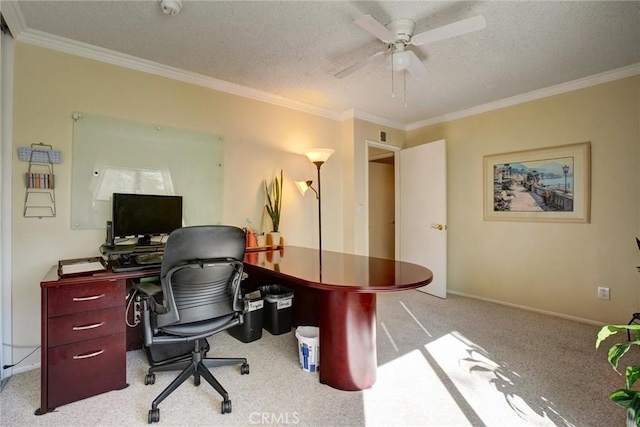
[[404, 77], [393, 94]]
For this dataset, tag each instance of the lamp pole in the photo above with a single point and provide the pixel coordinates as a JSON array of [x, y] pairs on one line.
[[318, 165], [318, 156]]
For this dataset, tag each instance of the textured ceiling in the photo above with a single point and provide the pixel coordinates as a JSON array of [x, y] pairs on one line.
[[293, 49]]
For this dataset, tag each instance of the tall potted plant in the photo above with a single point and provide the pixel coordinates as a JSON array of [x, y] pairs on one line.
[[273, 206], [627, 397]]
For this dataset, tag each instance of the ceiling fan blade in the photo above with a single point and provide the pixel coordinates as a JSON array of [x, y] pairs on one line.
[[360, 64], [416, 68], [369, 23], [447, 31]]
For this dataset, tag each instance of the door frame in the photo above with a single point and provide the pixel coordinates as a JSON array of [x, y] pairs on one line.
[[396, 190], [6, 137]]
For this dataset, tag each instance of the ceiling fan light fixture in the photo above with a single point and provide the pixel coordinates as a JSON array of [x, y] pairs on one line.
[[400, 60]]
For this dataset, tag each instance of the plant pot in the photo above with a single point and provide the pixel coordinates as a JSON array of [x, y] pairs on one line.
[[273, 239]]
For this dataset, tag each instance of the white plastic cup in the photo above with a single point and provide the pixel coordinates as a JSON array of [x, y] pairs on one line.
[[308, 347]]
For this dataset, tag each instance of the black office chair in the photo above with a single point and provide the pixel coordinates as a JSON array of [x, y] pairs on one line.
[[200, 279]]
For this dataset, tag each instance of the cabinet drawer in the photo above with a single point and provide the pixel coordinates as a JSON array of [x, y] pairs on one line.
[[83, 326], [85, 297], [84, 369]]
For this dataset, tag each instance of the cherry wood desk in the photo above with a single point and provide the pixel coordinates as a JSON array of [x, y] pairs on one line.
[[337, 293], [85, 338]]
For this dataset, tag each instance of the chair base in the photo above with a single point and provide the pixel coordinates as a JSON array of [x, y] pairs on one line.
[[198, 367], [166, 354]]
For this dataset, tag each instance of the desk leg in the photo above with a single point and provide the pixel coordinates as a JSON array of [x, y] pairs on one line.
[[348, 358]]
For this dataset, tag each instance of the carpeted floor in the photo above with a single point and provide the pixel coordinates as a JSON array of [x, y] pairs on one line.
[[453, 362]]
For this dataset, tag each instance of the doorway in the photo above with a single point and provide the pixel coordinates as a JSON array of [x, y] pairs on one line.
[[419, 224], [382, 201]]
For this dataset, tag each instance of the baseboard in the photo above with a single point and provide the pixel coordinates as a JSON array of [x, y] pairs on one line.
[[524, 307], [21, 369]]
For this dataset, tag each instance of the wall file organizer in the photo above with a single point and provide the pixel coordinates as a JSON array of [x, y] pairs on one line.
[[40, 198]]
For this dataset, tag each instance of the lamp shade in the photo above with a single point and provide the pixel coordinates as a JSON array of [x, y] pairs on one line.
[[319, 155], [303, 186]]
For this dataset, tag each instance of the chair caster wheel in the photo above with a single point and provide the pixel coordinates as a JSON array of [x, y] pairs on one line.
[[196, 380], [149, 379], [244, 369], [226, 407], [154, 416]]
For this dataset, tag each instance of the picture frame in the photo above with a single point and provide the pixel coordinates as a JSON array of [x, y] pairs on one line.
[[550, 184]]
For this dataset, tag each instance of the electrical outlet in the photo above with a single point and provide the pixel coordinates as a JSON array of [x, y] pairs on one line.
[[137, 315], [603, 293]]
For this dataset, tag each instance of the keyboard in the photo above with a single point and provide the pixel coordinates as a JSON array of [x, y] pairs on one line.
[[152, 258], [137, 262]]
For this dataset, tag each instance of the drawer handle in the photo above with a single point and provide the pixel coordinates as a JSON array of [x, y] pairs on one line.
[[86, 356], [88, 298], [83, 328]]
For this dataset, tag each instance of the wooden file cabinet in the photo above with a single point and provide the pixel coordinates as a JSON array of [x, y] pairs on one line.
[[83, 338]]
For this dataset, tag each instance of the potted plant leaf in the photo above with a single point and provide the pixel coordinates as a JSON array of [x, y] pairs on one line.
[[627, 397], [273, 206]]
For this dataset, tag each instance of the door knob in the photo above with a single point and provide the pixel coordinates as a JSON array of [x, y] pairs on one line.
[[439, 226]]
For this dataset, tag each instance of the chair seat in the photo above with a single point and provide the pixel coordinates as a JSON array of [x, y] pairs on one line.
[[197, 328]]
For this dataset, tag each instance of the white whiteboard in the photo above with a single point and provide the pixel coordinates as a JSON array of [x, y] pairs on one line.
[[115, 155]]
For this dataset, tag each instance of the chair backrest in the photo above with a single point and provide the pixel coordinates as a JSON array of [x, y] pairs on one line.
[[201, 273]]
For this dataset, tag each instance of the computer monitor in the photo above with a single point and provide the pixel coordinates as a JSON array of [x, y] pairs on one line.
[[145, 215]]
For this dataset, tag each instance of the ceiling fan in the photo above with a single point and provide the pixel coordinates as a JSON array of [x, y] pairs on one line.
[[397, 35]]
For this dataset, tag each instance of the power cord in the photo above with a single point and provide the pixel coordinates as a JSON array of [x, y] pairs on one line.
[[21, 360], [136, 319]]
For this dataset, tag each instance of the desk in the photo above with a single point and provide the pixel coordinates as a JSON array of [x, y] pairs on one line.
[[337, 293], [84, 338]]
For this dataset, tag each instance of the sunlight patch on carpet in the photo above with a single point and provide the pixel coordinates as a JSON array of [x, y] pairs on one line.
[[408, 393], [489, 389]]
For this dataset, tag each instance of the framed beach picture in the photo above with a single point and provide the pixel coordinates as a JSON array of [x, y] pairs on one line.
[[548, 184]]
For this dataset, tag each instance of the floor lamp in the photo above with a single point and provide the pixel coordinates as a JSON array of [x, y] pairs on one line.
[[317, 156]]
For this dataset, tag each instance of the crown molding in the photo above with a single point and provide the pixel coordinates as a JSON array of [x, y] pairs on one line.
[[17, 25], [357, 114], [14, 18], [585, 82], [85, 50]]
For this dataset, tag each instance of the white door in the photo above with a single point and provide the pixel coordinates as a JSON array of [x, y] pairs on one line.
[[423, 211]]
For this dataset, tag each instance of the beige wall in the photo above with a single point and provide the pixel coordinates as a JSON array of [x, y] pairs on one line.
[[347, 130], [552, 267], [259, 140]]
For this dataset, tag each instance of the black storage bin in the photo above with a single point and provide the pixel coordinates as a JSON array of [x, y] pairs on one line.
[[251, 328], [278, 309]]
